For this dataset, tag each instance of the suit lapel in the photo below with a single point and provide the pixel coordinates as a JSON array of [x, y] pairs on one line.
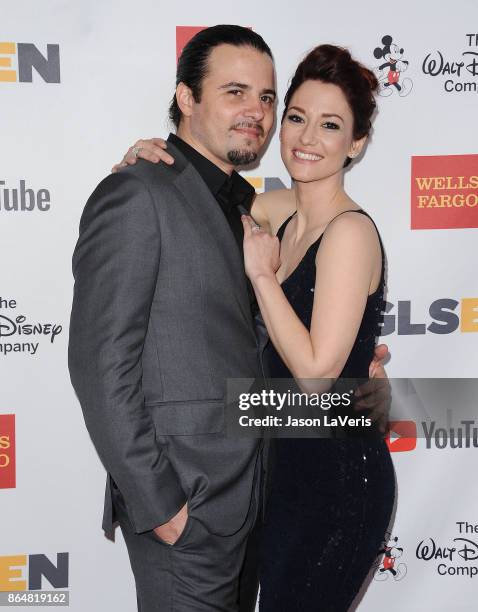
[[210, 216]]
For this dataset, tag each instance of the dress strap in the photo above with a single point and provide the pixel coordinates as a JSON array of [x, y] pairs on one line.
[[345, 211], [281, 230]]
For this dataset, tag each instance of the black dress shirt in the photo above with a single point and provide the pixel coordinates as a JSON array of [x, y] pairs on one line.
[[229, 191]]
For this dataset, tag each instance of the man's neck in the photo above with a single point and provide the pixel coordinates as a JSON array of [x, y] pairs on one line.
[[186, 135]]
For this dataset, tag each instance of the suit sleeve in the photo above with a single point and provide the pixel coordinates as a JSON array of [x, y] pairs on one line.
[[115, 266]]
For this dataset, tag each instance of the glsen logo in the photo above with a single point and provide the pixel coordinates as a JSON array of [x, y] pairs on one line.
[[17, 61], [455, 558], [465, 435], [13, 572], [23, 199], [455, 72], [401, 436], [389, 72], [443, 315], [265, 183], [7, 451], [444, 192], [18, 326]]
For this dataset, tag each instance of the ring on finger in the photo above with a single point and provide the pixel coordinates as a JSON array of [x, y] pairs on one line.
[[135, 151], [256, 228]]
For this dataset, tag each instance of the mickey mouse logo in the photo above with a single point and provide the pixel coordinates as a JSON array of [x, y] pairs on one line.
[[388, 566], [389, 73]]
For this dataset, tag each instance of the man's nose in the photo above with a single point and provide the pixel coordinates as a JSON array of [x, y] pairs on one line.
[[255, 110]]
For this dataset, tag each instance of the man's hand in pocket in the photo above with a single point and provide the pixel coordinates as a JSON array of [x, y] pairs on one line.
[[169, 532]]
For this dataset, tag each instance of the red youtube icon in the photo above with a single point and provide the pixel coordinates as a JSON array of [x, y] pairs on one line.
[[401, 436]]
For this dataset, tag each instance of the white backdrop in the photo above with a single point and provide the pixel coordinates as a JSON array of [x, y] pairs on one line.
[[117, 66]]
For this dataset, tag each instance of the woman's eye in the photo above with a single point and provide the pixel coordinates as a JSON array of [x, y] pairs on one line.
[[294, 118], [330, 125]]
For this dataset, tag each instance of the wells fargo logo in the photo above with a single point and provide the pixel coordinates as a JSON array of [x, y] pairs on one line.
[[17, 61], [7, 451], [444, 192]]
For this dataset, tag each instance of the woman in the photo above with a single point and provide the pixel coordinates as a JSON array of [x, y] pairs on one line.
[[316, 264]]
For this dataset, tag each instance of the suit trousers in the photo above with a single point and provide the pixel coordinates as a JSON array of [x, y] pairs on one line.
[[201, 571]]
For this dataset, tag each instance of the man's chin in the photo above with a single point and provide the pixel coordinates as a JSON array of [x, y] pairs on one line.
[[241, 157]]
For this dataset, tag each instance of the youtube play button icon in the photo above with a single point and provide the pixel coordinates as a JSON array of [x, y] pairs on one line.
[[401, 436]]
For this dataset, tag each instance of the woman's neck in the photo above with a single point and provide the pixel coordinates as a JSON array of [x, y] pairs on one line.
[[318, 202]]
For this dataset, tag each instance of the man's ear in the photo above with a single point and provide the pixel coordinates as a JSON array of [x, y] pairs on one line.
[[185, 99], [356, 147]]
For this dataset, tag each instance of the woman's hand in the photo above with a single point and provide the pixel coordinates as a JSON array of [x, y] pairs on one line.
[[376, 394], [376, 368], [153, 150], [261, 250]]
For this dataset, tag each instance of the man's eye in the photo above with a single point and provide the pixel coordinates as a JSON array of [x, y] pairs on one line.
[[235, 92], [330, 125], [267, 99], [294, 118]]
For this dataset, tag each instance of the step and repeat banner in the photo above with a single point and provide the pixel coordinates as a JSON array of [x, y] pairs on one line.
[[79, 83]]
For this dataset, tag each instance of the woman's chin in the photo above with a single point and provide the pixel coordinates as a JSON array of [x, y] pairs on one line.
[[305, 177]]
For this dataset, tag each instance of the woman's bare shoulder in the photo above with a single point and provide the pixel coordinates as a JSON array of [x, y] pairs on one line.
[[351, 242], [353, 224], [272, 208]]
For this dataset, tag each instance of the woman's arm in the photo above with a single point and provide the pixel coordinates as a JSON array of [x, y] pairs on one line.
[[346, 265], [272, 208], [151, 149]]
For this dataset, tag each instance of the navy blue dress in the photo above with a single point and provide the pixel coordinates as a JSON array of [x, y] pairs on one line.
[[330, 500]]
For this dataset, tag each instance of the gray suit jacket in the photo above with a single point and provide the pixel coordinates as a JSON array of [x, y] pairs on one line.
[[160, 320]]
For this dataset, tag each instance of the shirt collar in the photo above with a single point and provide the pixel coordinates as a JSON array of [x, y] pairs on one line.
[[228, 190]]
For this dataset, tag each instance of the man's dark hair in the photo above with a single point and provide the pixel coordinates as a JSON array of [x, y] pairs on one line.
[[193, 62]]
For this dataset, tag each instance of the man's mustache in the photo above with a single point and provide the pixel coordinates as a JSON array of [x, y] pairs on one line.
[[249, 125]]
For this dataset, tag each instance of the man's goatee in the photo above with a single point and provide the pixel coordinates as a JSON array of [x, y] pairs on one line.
[[241, 158]]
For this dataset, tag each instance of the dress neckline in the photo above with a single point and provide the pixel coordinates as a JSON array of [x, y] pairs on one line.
[[316, 242], [282, 228]]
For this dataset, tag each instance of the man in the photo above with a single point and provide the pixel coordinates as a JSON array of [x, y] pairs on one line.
[[162, 317]]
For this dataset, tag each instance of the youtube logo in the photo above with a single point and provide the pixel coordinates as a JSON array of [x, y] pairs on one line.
[[401, 436]]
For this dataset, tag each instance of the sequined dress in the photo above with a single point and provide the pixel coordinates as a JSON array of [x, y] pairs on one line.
[[330, 500]]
